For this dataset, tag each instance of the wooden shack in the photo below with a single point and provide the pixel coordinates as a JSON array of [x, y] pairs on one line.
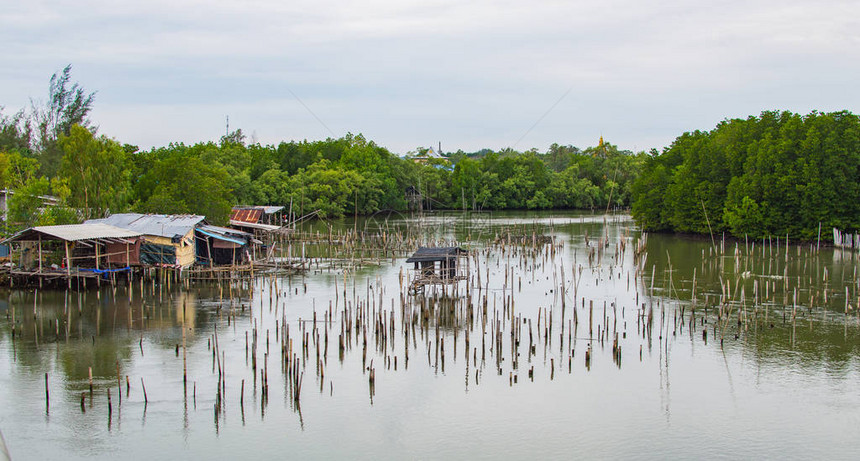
[[67, 251], [258, 214], [224, 246], [437, 266], [261, 221], [168, 239]]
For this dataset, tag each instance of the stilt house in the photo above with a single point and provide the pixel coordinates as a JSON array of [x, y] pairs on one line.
[[75, 250], [437, 266], [168, 240]]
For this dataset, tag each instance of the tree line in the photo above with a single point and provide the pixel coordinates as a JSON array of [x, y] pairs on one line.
[[53, 149], [777, 174]]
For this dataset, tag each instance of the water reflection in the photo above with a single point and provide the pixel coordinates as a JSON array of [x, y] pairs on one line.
[[592, 335], [787, 305]]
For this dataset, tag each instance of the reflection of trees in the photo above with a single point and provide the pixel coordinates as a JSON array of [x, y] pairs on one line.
[[828, 346], [822, 335]]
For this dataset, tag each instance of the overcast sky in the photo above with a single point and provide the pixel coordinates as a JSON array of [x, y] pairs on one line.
[[468, 74]]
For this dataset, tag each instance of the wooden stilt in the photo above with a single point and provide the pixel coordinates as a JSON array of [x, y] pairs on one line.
[[68, 264]]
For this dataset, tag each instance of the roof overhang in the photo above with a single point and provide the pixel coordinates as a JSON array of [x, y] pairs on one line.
[[73, 233], [258, 226]]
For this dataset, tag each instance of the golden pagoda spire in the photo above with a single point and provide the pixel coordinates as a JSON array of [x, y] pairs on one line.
[[601, 149]]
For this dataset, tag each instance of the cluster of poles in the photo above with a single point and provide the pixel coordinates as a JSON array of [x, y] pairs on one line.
[[486, 324]]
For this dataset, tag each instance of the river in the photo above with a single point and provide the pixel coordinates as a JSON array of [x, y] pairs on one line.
[[688, 348]]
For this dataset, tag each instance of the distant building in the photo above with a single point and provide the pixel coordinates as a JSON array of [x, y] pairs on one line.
[[430, 154], [5, 194]]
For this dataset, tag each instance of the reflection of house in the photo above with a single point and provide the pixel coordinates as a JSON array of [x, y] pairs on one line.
[[168, 239], [437, 266]]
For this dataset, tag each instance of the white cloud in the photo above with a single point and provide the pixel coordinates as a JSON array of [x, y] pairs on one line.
[[470, 74]]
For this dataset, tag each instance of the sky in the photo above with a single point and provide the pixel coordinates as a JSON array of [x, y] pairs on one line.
[[408, 74]]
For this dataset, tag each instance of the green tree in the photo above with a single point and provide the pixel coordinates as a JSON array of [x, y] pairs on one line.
[[776, 174], [15, 132], [179, 183], [16, 170], [97, 171], [68, 105], [29, 206]]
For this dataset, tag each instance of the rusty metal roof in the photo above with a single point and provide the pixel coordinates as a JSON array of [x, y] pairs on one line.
[[251, 215]]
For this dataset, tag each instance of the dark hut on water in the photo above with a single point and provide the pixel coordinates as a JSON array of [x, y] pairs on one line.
[[437, 266]]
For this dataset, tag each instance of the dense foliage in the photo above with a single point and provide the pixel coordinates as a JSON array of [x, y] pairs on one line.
[[776, 174], [52, 150]]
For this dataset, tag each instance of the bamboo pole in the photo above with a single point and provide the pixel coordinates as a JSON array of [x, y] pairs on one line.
[[68, 264]]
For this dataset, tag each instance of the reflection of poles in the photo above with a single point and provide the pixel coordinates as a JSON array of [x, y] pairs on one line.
[[4, 452]]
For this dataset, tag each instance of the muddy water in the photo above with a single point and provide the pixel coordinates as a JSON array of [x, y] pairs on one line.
[[695, 349]]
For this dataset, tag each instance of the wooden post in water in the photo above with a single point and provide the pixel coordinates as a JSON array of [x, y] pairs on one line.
[[68, 264], [118, 383], [40, 260]]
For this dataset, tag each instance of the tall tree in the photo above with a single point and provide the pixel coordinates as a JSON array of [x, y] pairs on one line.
[[68, 105]]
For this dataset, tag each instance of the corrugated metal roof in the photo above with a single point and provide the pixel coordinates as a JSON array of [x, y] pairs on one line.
[[224, 237], [74, 232], [225, 230], [250, 215], [254, 225], [153, 224], [230, 232], [436, 254], [269, 209]]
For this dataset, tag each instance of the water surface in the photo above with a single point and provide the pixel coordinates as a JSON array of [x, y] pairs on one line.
[[774, 375]]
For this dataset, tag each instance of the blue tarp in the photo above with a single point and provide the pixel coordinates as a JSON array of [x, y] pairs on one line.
[[105, 272], [223, 237]]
